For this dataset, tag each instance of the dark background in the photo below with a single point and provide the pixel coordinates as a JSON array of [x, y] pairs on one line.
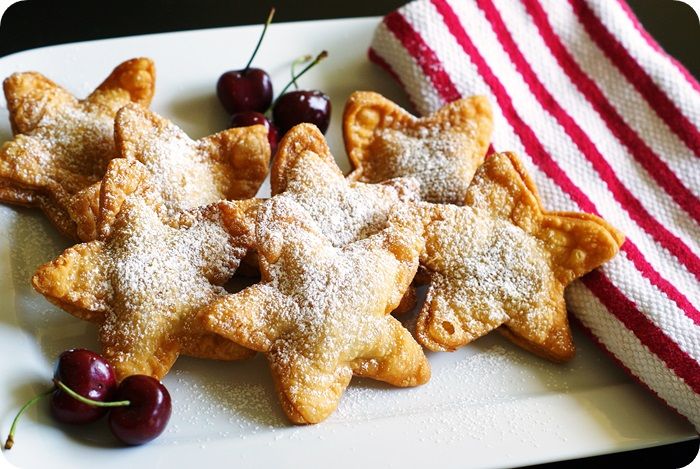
[[34, 23]]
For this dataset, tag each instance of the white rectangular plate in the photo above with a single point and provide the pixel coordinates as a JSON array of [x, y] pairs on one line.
[[489, 404]]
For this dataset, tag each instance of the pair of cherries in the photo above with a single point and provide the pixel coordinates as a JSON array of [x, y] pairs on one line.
[[85, 389], [247, 95]]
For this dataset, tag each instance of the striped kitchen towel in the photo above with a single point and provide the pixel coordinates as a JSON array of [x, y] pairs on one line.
[[607, 123]]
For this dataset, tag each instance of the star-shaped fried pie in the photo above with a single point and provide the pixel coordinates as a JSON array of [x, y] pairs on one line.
[[321, 313], [189, 173], [500, 261], [442, 150], [345, 211], [62, 145], [182, 173], [145, 282]]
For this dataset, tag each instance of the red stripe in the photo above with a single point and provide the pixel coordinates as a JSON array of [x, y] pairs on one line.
[[379, 60], [654, 166], [650, 40], [683, 365], [626, 199], [641, 264], [540, 156], [549, 166], [635, 74], [619, 363], [423, 54]]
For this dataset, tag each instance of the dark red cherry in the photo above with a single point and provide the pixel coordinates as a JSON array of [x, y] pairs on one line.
[[88, 374], [146, 415], [246, 118], [248, 89], [245, 90], [298, 106]]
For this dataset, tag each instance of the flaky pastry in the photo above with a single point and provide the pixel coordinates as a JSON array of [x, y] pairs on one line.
[[500, 261], [442, 150], [183, 173], [345, 211], [321, 312], [62, 145], [144, 283], [231, 164]]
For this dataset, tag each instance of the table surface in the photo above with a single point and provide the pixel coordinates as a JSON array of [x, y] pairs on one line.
[[35, 23]]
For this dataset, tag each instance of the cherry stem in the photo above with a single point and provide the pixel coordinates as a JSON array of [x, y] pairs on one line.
[[299, 61], [318, 58], [86, 400], [267, 23], [11, 436]]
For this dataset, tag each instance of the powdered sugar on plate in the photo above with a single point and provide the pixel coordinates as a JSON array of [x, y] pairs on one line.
[[237, 400]]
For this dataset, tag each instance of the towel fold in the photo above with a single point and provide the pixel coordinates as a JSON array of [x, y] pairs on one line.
[[607, 123]]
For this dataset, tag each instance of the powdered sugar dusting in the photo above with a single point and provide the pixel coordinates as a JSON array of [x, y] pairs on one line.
[[495, 375], [344, 211], [159, 275], [488, 268], [324, 322], [440, 159], [317, 277], [183, 176], [68, 151], [242, 403]]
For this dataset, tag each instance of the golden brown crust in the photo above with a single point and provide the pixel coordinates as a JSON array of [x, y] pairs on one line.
[[62, 145], [135, 77], [243, 157], [315, 330], [66, 281], [61, 219], [212, 347], [442, 150], [503, 262], [183, 173], [408, 302], [17, 196], [145, 281], [345, 211], [577, 242], [557, 347], [84, 209], [297, 141], [123, 178], [29, 95]]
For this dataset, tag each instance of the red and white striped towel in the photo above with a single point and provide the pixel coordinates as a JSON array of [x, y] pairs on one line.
[[607, 123]]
